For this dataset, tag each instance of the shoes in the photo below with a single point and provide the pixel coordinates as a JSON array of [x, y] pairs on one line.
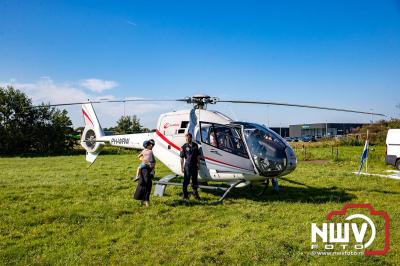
[[196, 195]]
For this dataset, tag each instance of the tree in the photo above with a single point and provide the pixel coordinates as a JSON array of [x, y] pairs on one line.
[[128, 125], [15, 120], [24, 129]]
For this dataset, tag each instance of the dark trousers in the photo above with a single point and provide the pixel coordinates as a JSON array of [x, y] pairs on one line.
[[145, 183], [190, 173]]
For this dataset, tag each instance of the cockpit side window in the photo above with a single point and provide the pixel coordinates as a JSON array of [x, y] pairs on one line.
[[208, 134], [223, 137], [238, 142]]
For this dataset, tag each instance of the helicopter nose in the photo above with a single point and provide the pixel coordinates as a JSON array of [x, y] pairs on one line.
[[291, 160]]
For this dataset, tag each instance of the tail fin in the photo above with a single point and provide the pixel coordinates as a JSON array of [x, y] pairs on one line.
[[92, 134]]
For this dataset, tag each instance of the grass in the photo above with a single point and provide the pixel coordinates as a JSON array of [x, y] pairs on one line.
[[55, 210]]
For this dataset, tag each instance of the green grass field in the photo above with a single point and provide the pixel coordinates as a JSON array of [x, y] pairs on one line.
[[55, 210]]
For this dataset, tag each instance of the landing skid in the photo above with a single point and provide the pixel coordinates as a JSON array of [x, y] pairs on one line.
[[228, 190], [266, 184], [162, 184], [275, 186]]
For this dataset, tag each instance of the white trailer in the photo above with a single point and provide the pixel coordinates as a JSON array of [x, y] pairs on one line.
[[393, 148]]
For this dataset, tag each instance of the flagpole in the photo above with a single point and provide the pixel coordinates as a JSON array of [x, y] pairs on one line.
[[366, 159]]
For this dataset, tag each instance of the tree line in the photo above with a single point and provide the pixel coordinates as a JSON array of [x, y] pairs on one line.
[[26, 129], [377, 132], [128, 125]]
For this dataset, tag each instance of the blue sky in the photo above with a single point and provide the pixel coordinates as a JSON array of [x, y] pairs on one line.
[[334, 53]]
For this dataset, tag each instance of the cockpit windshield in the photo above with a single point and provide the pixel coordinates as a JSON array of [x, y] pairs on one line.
[[266, 148]]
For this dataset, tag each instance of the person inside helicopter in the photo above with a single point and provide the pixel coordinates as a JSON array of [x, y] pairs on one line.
[[213, 138], [208, 135], [221, 141], [225, 139]]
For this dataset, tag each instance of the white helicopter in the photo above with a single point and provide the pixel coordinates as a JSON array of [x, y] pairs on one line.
[[233, 152]]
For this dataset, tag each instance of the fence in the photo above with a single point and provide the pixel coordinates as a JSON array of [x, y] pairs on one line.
[[338, 153]]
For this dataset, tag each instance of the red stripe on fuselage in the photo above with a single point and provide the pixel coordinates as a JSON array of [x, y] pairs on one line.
[[164, 138], [85, 114]]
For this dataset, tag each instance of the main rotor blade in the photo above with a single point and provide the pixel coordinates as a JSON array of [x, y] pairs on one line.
[[301, 105], [108, 101]]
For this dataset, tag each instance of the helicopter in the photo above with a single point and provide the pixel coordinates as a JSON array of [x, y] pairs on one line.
[[234, 152]]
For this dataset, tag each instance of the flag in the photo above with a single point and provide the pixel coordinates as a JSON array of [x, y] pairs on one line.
[[363, 156]]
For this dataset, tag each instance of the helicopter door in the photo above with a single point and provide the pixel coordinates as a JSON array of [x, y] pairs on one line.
[[223, 148]]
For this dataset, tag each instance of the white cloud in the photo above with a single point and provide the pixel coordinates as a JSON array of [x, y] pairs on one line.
[[45, 90], [48, 91], [131, 23], [98, 85]]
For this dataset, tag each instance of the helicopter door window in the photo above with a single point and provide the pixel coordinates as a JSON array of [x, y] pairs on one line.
[[208, 134], [223, 137], [238, 143], [228, 139], [182, 129], [184, 124]]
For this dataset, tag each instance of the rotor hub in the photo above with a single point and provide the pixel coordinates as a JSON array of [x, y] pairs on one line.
[[200, 101]]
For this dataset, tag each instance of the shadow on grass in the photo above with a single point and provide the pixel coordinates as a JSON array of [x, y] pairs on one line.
[[305, 194], [374, 191], [295, 194]]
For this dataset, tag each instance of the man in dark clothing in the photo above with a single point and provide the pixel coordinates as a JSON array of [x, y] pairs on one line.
[[190, 160]]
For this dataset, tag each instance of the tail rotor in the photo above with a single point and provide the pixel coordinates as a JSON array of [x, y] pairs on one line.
[[92, 134]]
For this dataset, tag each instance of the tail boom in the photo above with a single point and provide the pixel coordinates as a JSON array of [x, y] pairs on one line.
[[93, 138]]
